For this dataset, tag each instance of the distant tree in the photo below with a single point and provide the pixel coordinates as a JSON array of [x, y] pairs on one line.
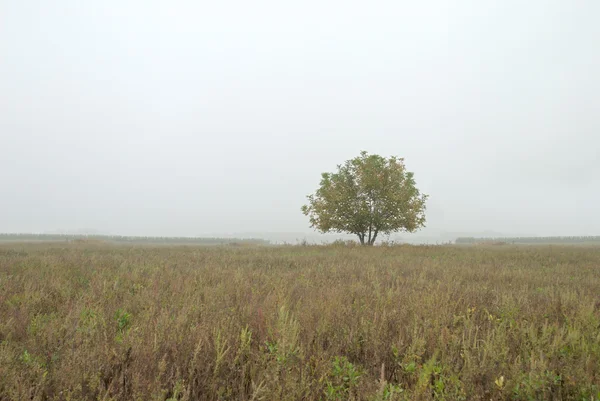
[[367, 196]]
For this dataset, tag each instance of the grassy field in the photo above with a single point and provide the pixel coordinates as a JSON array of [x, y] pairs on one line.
[[100, 322]]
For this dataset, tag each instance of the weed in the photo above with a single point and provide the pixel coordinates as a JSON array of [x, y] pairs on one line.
[[393, 323]]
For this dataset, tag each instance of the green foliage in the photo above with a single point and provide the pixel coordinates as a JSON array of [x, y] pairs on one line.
[[343, 379], [367, 196], [26, 357], [391, 392], [123, 319]]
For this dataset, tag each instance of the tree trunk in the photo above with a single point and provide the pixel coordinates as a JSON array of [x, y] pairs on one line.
[[361, 237], [372, 240]]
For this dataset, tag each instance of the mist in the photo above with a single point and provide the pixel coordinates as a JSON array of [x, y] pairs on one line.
[[192, 118]]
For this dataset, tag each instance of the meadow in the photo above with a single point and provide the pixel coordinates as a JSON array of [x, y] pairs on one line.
[[93, 321]]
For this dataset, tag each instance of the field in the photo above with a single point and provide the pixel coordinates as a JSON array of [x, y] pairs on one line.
[[86, 321]]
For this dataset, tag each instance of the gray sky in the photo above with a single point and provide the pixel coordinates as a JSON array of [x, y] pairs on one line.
[[194, 117]]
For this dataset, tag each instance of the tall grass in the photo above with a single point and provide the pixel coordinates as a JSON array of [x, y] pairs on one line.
[[98, 322]]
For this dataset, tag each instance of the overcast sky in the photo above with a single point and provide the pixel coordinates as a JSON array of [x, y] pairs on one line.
[[194, 117]]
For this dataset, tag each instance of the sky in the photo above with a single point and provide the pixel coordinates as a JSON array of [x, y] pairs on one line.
[[142, 117]]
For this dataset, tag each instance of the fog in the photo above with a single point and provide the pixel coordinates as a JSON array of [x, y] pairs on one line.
[[196, 118]]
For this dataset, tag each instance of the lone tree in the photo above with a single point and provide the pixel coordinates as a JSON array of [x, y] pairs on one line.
[[367, 196]]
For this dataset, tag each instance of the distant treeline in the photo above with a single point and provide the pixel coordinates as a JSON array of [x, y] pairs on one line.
[[530, 240], [131, 239]]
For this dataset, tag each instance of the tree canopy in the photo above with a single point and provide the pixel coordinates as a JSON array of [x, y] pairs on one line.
[[367, 196]]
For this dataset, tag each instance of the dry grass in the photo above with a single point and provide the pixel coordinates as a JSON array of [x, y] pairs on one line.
[[299, 323]]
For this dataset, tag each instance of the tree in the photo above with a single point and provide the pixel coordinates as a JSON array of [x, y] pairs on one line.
[[367, 196]]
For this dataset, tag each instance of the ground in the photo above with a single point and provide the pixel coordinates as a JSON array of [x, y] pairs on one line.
[[87, 321]]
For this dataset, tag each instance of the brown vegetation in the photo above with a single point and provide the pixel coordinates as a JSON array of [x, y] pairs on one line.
[[299, 323]]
